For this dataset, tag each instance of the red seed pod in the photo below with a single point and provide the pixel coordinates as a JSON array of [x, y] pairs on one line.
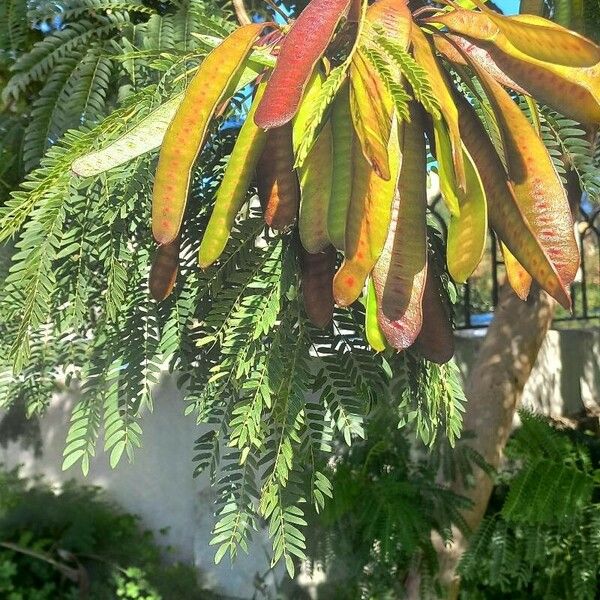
[[163, 272], [302, 47], [317, 271], [277, 180]]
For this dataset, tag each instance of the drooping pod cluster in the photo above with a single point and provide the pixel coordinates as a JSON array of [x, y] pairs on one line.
[[337, 139]]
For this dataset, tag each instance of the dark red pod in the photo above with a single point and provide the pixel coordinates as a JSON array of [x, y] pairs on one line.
[[300, 50], [435, 341], [317, 271], [163, 272], [277, 179]]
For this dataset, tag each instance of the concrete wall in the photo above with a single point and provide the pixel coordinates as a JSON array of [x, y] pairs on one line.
[[159, 486]]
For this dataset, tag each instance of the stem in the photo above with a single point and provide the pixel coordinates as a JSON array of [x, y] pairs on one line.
[[241, 13], [276, 8]]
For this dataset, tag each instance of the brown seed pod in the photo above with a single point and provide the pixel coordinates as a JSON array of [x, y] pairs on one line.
[[317, 271], [277, 180], [163, 272]]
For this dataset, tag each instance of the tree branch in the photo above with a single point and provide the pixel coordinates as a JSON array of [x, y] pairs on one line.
[[241, 13]]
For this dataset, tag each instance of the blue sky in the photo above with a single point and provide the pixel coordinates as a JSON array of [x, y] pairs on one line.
[[508, 7]]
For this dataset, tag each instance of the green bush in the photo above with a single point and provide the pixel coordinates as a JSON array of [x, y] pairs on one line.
[[74, 543], [540, 539]]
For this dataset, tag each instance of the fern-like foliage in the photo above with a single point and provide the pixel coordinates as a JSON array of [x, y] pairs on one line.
[[377, 527], [545, 540], [14, 32], [414, 73], [394, 87]]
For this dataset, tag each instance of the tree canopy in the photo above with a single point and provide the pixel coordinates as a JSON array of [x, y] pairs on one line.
[[294, 256]]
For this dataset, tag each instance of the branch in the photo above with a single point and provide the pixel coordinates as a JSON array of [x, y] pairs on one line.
[[241, 13]]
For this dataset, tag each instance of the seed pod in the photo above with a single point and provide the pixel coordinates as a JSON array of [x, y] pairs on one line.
[[145, 136], [571, 91], [436, 338], [533, 52], [372, 109], [341, 188], [533, 36], [467, 232], [505, 216], [277, 180], [537, 186], [399, 275], [518, 278], [374, 334], [443, 154], [447, 45], [163, 272], [394, 17], [234, 186], [317, 272], [187, 131], [302, 47], [305, 114], [315, 191], [425, 55], [368, 221], [545, 40], [315, 174]]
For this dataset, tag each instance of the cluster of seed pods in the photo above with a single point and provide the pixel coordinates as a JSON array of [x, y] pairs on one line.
[[358, 196]]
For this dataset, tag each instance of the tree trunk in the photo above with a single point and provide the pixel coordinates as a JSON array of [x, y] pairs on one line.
[[494, 389]]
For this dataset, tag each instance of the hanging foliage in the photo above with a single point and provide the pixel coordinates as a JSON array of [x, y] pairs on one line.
[[291, 258]]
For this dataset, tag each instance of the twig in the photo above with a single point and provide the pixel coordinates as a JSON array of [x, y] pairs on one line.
[[276, 8], [241, 13]]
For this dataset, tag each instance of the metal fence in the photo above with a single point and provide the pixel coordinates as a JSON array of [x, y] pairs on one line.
[[479, 295]]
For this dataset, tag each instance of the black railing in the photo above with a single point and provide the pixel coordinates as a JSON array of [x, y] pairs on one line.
[[479, 295]]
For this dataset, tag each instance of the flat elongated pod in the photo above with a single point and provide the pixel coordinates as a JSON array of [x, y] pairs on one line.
[[399, 275], [144, 137], [436, 338], [533, 36], [277, 180], [447, 45], [394, 17], [373, 332], [234, 186], [300, 50], [163, 272], [467, 231], [311, 97], [546, 41], [571, 91], [518, 278], [341, 186], [187, 131], [504, 213], [369, 217], [443, 154], [569, 82], [425, 55], [538, 188], [317, 272], [372, 108], [316, 176]]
